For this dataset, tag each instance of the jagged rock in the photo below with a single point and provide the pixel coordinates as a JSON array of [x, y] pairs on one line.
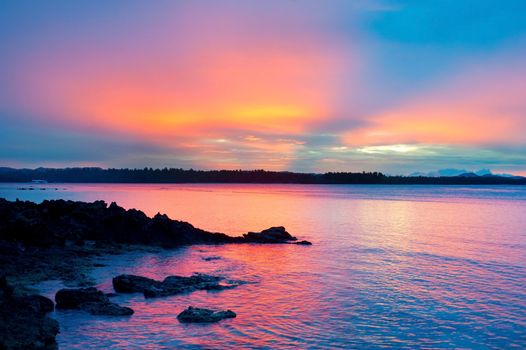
[[23, 321], [171, 285], [271, 235], [57, 223], [90, 300], [198, 315]]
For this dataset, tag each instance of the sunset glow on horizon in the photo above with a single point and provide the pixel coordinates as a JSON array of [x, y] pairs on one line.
[[374, 85]]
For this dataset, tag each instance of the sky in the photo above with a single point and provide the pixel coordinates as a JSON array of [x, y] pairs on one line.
[[312, 86]]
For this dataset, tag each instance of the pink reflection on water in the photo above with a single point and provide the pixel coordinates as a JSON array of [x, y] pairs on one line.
[[390, 266]]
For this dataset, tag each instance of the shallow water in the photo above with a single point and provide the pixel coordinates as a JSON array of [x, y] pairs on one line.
[[391, 266]]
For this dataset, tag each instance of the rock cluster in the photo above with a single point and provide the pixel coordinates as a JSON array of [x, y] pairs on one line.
[[60, 222], [90, 300], [45, 234], [198, 315], [23, 321], [171, 285]]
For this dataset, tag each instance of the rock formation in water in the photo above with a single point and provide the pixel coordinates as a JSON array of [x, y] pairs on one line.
[[61, 222], [276, 234], [210, 258], [54, 239], [23, 320], [198, 315], [90, 300], [171, 285]]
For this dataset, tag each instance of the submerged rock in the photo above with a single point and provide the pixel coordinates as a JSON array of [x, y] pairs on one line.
[[90, 300], [23, 321], [303, 243], [199, 315], [210, 258], [107, 309], [134, 284], [171, 285]]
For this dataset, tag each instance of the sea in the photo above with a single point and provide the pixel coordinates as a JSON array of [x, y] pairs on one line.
[[402, 266]]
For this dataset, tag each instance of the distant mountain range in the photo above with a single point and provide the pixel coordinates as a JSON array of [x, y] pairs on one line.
[[449, 172]]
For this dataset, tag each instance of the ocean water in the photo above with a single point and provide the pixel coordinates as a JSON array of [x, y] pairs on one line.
[[390, 267]]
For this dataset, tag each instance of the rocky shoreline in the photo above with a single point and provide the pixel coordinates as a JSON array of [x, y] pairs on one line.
[[62, 223], [59, 239], [24, 323], [23, 320]]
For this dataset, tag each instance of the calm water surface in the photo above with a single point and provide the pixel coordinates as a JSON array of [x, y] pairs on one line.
[[391, 266]]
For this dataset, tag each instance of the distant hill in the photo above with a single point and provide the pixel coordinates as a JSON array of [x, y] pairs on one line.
[[469, 175], [459, 172], [173, 175]]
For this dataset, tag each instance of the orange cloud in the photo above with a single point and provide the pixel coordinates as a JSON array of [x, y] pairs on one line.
[[483, 106], [206, 73]]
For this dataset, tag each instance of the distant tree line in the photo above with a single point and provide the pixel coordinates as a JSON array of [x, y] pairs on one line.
[[173, 175]]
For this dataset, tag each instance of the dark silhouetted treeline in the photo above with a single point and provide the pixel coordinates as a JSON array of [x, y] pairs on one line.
[[149, 175]]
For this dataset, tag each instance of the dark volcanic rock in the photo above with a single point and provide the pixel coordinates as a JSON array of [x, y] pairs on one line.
[[23, 321], [303, 243], [108, 309], [171, 285], [198, 315], [90, 300], [134, 284], [38, 303], [73, 298], [55, 223], [270, 235]]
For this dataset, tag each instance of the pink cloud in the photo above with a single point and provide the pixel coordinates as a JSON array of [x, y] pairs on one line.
[[485, 104], [196, 70]]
